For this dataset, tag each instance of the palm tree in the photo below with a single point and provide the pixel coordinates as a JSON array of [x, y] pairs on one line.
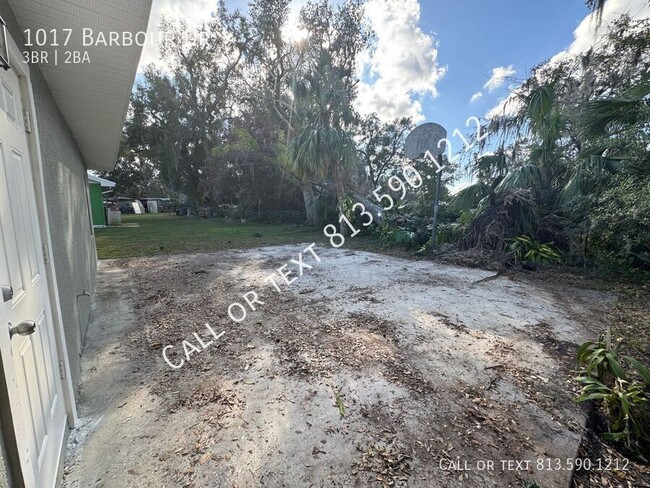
[[510, 190], [498, 211], [613, 117], [530, 191], [319, 150], [616, 131]]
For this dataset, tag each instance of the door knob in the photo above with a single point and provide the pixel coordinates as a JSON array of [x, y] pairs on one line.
[[24, 328], [7, 293]]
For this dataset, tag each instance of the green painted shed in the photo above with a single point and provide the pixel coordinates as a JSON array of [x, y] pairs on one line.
[[96, 188]]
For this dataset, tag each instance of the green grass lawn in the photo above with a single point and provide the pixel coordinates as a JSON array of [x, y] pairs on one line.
[[169, 234]]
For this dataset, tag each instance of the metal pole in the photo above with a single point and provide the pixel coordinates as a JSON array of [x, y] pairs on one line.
[[436, 207]]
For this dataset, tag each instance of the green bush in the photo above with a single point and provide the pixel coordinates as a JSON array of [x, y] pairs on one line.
[[450, 233], [626, 400], [526, 249], [409, 232], [620, 229]]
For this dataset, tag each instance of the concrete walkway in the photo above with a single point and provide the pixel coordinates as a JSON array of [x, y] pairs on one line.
[[116, 413]]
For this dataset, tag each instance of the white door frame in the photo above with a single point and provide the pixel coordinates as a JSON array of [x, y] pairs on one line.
[[21, 68]]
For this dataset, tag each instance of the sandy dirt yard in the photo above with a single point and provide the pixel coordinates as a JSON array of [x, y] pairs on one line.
[[367, 370]]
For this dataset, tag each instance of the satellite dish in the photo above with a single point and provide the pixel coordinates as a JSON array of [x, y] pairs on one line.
[[423, 138]]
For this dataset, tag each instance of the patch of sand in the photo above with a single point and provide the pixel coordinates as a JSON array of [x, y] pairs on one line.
[[425, 364]]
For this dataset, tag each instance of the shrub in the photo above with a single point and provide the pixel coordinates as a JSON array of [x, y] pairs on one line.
[[621, 224], [626, 401], [526, 249], [410, 232], [450, 233]]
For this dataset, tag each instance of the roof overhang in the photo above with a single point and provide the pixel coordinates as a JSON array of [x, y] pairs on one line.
[[93, 97]]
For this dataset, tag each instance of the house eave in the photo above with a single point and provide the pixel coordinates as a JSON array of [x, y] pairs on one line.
[[93, 97]]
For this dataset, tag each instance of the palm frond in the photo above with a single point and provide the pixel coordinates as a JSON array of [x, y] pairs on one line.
[[493, 166], [320, 153], [595, 150], [622, 111], [541, 102], [469, 198], [597, 6], [587, 176], [528, 176]]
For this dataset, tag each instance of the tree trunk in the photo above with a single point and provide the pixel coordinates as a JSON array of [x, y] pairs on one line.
[[343, 229], [375, 210], [311, 207]]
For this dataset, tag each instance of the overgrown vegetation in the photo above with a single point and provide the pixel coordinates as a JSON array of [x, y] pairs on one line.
[[524, 248], [570, 162], [246, 116], [621, 384]]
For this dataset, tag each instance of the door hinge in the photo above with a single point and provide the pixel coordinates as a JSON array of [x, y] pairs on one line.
[[61, 370], [46, 254], [28, 121]]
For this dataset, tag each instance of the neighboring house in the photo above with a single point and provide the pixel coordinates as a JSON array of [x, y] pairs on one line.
[[96, 190], [56, 121]]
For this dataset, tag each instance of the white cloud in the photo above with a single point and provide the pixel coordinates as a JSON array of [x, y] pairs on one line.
[[476, 96], [403, 66], [499, 76], [402, 69], [509, 105], [588, 32], [585, 36], [194, 13]]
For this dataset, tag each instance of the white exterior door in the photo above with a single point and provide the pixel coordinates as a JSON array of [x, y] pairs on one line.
[[30, 361]]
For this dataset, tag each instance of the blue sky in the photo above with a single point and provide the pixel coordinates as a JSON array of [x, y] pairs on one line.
[[433, 56], [474, 37]]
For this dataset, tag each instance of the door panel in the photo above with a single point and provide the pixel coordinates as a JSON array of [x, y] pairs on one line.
[[21, 186], [9, 103], [30, 362], [10, 240], [42, 345], [26, 368]]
